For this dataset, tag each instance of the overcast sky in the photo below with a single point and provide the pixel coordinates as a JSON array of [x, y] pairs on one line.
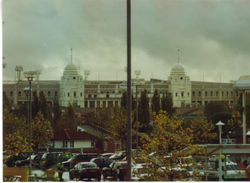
[[213, 36]]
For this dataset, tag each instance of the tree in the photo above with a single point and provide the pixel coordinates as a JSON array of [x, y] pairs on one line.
[[167, 145], [167, 104], [16, 143], [44, 107], [35, 105], [156, 102], [124, 100], [217, 110], [118, 125], [57, 113], [69, 119], [203, 131], [143, 112], [42, 131], [14, 132]]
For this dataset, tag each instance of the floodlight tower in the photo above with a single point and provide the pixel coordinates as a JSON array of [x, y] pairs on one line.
[[86, 74], [18, 70]]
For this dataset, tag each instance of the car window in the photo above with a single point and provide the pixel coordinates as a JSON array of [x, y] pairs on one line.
[[88, 165]]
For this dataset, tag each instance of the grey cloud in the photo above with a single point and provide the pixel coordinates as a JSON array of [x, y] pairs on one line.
[[213, 36]]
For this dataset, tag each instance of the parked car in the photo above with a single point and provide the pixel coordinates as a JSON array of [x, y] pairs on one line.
[[120, 169], [107, 155], [85, 170], [10, 162], [50, 158], [101, 161], [109, 171], [24, 162], [79, 158], [118, 156]]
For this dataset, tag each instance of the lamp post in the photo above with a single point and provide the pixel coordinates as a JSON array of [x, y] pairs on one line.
[[26, 91], [30, 75], [220, 124]]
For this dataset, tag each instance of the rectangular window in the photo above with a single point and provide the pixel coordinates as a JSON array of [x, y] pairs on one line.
[[103, 103], [72, 144], [48, 93], [211, 93], [193, 93], [65, 144], [55, 93], [199, 93]]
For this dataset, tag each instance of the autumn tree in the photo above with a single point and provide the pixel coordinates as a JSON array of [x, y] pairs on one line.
[[14, 132], [203, 131], [118, 125], [42, 131], [166, 145], [156, 102], [16, 143]]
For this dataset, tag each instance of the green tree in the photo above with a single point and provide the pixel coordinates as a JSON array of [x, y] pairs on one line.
[[44, 107], [35, 105], [167, 145], [167, 104], [57, 113], [219, 111], [124, 100], [69, 119], [143, 112], [156, 102], [42, 131]]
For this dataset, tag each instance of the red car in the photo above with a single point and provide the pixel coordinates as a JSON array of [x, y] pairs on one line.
[[85, 170]]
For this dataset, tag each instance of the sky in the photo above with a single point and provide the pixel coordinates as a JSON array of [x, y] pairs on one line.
[[213, 37]]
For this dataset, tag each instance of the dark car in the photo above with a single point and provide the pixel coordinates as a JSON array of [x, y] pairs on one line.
[[10, 162], [79, 158], [85, 170], [120, 169], [50, 158], [118, 156], [109, 171], [101, 161]]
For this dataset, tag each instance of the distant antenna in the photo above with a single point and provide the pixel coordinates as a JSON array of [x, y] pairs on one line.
[[86, 74], [71, 56], [178, 56]]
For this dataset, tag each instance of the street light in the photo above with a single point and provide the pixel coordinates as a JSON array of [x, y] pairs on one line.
[[30, 75], [220, 124], [26, 91]]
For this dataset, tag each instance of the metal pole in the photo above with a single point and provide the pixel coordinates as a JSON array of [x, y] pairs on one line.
[[220, 163], [244, 115], [136, 116], [129, 139], [30, 124]]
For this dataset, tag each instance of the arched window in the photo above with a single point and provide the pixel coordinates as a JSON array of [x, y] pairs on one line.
[[68, 94], [74, 94], [19, 93]]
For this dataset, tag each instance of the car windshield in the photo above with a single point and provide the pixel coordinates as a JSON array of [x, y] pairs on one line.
[[88, 165]]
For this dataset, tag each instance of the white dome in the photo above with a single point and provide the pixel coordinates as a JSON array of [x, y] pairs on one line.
[[178, 68], [71, 69]]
